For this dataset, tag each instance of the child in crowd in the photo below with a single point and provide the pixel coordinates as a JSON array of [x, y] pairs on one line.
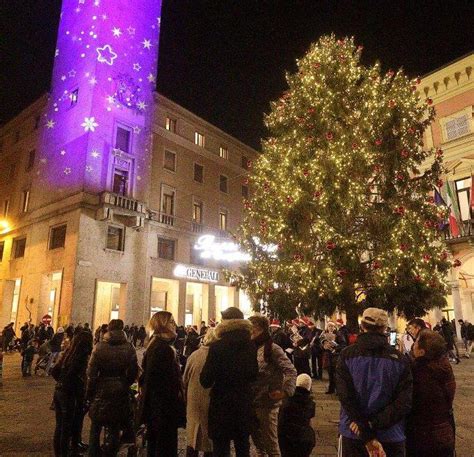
[[28, 354], [295, 434]]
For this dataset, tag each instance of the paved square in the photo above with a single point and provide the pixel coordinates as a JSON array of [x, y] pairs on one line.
[[27, 423]]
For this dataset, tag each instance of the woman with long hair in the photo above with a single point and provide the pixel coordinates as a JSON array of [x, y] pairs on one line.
[[70, 374], [430, 428], [163, 407]]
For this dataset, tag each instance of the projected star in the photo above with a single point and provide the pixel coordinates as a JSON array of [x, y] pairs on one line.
[[137, 67], [106, 55], [50, 124], [146, 44], [89, 124], [116, 32]]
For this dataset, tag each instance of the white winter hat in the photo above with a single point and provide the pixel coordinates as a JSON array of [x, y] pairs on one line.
[[304, 380]]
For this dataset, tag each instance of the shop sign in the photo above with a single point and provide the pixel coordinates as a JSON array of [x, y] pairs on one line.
[[199, 274], [215, 250]]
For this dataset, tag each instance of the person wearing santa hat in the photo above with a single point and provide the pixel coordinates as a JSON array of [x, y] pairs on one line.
[[279, 337]]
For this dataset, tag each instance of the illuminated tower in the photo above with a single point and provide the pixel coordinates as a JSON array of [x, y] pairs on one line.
[[97, 126]]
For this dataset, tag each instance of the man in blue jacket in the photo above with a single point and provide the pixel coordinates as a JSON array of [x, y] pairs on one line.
[[374, 385]]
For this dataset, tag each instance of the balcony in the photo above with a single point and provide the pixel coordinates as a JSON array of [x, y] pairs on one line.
[[121, 202], [196, 227], [466, 229], [167, 219]]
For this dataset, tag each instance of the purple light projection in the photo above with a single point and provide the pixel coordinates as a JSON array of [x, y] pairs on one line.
[[103, 78]]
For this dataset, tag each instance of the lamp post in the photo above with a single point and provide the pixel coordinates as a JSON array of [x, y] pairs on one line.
[[4, 226]]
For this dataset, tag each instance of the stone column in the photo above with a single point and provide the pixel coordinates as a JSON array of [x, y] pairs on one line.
[[211, 303], [181, 302], [457, 304]]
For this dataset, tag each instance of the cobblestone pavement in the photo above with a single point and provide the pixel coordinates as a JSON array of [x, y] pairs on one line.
[[27, 423]]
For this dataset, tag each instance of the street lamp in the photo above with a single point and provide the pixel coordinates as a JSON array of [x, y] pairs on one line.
[[4, 227]]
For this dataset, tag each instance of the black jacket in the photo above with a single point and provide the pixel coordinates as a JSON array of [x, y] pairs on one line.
[[113, 368], [230, 369], [56, 342], [162, 386], [295, 433], [71, 378]]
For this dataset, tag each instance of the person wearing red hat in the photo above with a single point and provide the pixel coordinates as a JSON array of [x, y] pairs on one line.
[[279, 337]]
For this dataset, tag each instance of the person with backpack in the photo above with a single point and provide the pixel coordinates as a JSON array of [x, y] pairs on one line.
[[295, 434]]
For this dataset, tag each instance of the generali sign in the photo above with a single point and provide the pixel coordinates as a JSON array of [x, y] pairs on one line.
[[197, 274]]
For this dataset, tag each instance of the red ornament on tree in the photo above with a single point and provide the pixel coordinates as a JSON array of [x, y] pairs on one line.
[[390, 73], [404, 153], [316, 65], [305, 172], [330, 245], [439, 152], [439, 183], [376, 265], [431, 200], [317, 194], [355, 146], [403, 247], [392, 103], [429, 101], [329, 136], [378, 141], [342, 272], [418, 278], [289, 200], [457, 263], [400, 210], [400, 176], [444, 255], [426, 257]]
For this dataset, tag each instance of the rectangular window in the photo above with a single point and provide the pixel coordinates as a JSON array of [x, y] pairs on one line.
[[115, 238], [223, 183], [245, 163], [37, 122], [198, 172], [457, 127], [223, 219], [2, 249], [25, 200], [224, 152], [74, 97], [197, 212], [170, 161], [122, 139], [6, 207], [166, 248], [167, 205], [170, 124], [120, 182], [245, 191], [57, 237], [463, 190], [31, 160], [199, 139], [19, 246]]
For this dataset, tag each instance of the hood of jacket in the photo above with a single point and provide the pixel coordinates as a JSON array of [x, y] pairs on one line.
[[233, 325], [115, 337], [372, 341]]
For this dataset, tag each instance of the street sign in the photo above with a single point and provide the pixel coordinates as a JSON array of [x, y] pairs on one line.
[[46, 319]]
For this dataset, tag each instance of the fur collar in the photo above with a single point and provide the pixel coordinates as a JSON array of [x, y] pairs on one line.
[[231, 325]]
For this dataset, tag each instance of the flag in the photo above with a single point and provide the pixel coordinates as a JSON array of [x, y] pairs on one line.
[[453, 209], [438, 199]]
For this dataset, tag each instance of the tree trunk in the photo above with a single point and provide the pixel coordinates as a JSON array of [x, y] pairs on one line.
[[352, 316]]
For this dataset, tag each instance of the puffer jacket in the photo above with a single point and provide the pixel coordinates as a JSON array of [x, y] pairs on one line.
[[276, 374], [112, 369]]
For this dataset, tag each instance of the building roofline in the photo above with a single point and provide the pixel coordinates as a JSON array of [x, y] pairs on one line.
[[470, 53]]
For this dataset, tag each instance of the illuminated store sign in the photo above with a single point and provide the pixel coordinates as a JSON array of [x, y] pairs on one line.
[[199, 274], [226, 251]]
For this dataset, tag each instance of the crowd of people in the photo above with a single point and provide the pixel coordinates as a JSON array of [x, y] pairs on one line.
[[249, 379]]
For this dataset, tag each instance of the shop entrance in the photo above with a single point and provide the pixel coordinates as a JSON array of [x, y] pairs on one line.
[[196, 295], [50, 296], [11, 299], [110, 300], [224, 299], [164, 296]]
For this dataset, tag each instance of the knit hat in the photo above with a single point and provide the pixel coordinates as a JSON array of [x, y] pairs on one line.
[[304, 381], [60, 330], [232, 313]]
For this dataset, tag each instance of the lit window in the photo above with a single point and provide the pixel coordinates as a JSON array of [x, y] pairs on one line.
[[19, 246], [245, 163], [6, 207], [25, 200], [57, 237], [463, 190], [2, 249], [198, 172], [223, 183], [120, 182], [245, 191], [199, 139], [170, 124], [223, 219], [74, 97], [31, 160], [115, 238], [457, 127], [122, 139], [166, 248], [224, 152], [170, 160], [197, 212]]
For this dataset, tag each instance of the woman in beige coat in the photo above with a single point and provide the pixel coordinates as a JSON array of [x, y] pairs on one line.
[[197, 401]]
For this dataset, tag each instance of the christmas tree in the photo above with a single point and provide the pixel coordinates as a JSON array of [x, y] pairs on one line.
[[340, 215]]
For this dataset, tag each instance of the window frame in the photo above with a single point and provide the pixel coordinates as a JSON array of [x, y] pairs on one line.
[[223, 212], [30, 164], [171, 124], [468, 113], [51, 231], [172, 242], [121, 240], [14, 255], [175, 162], [198, 203], [2, 250], [127, 128], [226, 191], [6, 207], [74, 96], [224, 152], [25, 201], [199, 139], [202, 172], [246, 193], [466, 190], [244, 162]]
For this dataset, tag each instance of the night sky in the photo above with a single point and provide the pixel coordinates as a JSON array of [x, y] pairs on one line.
[[226, 60]]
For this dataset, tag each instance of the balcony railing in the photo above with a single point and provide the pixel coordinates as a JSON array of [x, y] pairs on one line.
[[466, 231], [196, 227], [167, 219], [120, 201]]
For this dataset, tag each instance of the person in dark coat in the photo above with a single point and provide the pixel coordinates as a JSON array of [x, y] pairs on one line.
[[28, 355], [141, 336], [279, 337], [302, 356], [163, 407], [446, 331], [8, 335], [295, 434], [230, 369], [70, 374], [55, 347], [112, 369], [191, 342], [430, 427]]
